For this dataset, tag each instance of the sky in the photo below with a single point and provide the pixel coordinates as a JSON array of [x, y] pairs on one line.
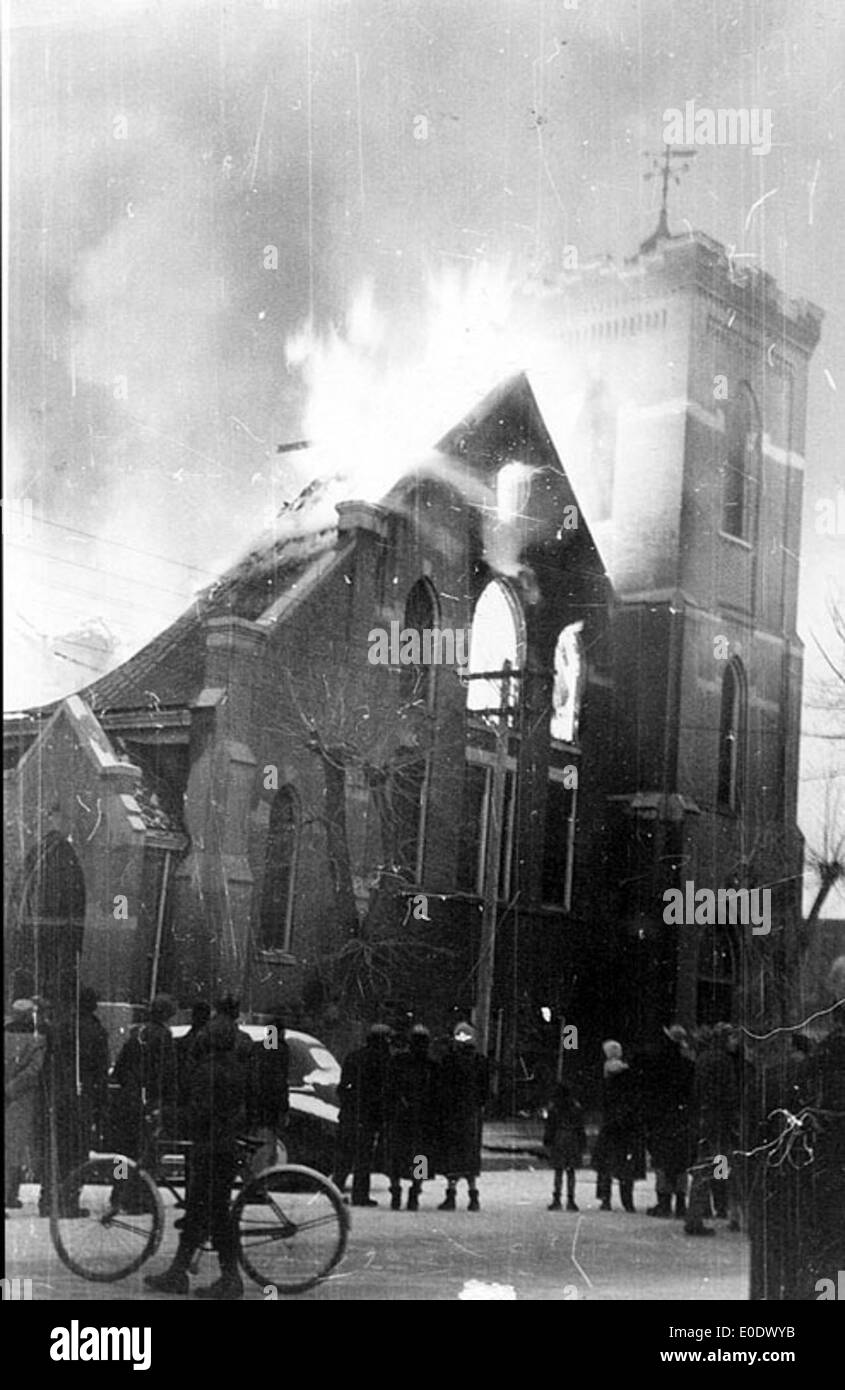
[[189, 182]]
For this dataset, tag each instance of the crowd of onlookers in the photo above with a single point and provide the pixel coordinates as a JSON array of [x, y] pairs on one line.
[[411, 1115], [684, 1103], [696, 1104]]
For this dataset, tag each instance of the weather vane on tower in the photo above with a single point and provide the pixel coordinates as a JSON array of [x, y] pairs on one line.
[[664, 167]]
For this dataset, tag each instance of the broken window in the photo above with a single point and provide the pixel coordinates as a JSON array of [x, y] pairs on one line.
[[476, 828], [496, 638], [568, 683]]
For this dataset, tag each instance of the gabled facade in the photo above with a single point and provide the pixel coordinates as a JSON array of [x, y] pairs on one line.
[[615, 546]]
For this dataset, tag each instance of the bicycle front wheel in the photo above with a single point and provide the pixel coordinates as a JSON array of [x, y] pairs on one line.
[[292, 1228], [108, 1220]]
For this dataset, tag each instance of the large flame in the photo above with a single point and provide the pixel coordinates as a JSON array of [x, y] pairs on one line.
[[381, 393]]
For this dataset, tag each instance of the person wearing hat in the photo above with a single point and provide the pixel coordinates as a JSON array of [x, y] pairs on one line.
[[145, 1071], [364, 1100], [22, 1065], [667, 1120], [462, 1092], [217, 1113], [412, 1118], [616, 1151]]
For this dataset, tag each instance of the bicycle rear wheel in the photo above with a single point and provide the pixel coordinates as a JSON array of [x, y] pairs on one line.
[[108, 1220], [292, 1228]]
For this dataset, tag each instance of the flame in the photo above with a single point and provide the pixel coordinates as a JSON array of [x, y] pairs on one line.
[[377, 403]]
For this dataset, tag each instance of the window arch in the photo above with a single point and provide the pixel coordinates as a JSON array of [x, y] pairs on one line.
[[568, 683], [497, 637], [280, 863], [732, 727], [742, 465], [421, 614], [51, 921]]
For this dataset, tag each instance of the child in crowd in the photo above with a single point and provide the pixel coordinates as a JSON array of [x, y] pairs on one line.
[[565, 1139]]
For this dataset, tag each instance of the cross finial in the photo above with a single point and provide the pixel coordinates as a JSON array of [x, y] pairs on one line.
[[662, 166]]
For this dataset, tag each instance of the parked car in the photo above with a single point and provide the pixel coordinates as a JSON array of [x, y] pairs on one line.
[[313, 1079]]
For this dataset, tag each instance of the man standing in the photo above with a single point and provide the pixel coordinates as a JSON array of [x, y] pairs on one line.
[[714, 1111], [411, 1137], [667, 1119], [364, 1097], [217, 1116], [146, 1074], [268, 1101]]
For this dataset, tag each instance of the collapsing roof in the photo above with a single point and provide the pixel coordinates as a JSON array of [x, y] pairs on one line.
[[170, 670]]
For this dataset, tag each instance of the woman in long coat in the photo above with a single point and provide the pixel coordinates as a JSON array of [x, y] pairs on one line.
[[411, 1124], [462, 1091], [619, 1149]]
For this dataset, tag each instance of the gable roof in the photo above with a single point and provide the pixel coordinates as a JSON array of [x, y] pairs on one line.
[[265, 583]]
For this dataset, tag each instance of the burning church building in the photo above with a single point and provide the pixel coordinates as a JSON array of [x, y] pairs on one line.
[[304, 792]]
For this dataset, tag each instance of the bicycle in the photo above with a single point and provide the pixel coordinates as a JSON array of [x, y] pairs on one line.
[[107, 1218]]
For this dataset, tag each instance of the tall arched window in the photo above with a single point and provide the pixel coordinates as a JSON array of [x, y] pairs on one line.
[[568, 683], [52, 918], [497, 637], [421, 615], [732, 724], [277, 898], [742, 465]]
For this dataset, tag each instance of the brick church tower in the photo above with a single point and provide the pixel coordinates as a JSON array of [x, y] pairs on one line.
[[684, 397]]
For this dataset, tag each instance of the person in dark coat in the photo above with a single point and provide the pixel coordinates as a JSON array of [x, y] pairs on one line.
[[565, 1139], [364, 1100], [268, 1099], [411, 1126], [186, 1052], [77, 1075], [462, 1093], [714, 1112], [617, 1153], [23, 1061], [667, 1120], [217, 1117], [145, 1071]]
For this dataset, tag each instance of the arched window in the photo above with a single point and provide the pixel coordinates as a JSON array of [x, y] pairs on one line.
[[732, 722], [497, 637], [568, 683], [421, 615], [52, 918], [513, 485], [280, 858], [742, 465]]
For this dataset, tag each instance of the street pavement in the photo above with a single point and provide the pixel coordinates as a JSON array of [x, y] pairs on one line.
[[513, 1243]]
